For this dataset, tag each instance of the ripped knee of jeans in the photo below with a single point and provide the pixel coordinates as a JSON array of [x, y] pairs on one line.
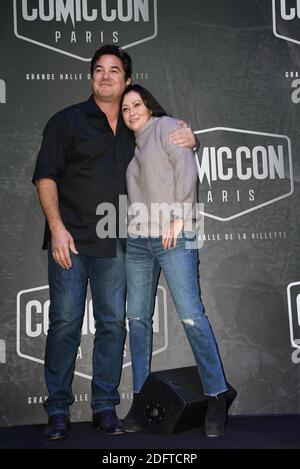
[[188, 322]]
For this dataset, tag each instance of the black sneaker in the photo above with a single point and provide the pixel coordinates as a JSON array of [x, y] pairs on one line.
[[58, 427], [108, 422]]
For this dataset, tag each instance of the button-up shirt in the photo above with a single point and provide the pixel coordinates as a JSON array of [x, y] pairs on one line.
[[88, 162]]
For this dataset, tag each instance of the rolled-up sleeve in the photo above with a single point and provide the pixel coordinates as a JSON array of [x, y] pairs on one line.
[[52, 155]]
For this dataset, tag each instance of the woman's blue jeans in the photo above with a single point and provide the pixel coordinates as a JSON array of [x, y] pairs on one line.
[[68, 290], [144, 259]]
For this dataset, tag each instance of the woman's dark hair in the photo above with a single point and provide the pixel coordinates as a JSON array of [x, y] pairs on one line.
[[110, 49], [150, 102]]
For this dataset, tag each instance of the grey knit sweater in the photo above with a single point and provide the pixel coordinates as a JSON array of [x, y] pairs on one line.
[[159, 172]]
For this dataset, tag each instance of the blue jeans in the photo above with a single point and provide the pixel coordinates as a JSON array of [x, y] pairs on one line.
[[144, 259], [67, 304]]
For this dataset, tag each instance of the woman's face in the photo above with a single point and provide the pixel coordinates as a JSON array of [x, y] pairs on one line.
[[135, 113]]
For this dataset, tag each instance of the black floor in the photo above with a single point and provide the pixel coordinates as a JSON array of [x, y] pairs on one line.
[[242, 432]]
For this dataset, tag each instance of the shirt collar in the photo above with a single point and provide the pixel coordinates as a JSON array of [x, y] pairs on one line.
[[91, 109], [96, 116]]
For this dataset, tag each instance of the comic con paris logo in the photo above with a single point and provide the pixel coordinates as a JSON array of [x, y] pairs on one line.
[[242, 170], [78, 27], [33, 323], [286, 20], [293, 299]]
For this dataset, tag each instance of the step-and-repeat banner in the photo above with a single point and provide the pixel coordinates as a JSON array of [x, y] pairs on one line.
[[232, 70]]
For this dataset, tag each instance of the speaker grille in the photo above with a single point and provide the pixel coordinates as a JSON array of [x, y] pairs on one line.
[[172, 400]]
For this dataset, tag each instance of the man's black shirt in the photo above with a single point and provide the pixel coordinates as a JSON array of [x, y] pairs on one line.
[[88, 162]]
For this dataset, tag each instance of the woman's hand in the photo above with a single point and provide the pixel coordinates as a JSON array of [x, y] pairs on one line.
[[171, 233]]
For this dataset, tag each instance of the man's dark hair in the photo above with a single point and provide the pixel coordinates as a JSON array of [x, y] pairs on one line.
[[110, 49], [148, 99]]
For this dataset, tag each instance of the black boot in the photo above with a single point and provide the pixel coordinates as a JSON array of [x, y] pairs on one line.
[[217, 412], [216, 416], [130, 422]]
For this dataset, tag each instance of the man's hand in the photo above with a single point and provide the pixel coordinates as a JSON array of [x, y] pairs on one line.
[[183, 137], [171, 233], [61, 240], [62, 243]]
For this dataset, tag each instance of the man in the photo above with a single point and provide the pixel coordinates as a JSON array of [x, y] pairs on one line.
[[82, 163]]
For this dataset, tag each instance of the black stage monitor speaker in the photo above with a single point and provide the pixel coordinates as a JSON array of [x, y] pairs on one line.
[[173, 400]]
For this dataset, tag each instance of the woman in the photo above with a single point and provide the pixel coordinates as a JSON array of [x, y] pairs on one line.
[[161, 172]]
